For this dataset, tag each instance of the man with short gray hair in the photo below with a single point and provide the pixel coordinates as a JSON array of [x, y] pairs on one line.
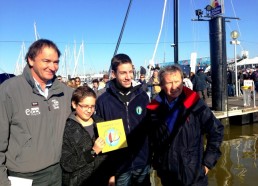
[[179, 120]]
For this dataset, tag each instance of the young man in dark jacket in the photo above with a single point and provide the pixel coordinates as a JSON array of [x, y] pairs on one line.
[[180, 119], [125, 100]]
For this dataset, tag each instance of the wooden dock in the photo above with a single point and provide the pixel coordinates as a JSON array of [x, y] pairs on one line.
[[237, 112]]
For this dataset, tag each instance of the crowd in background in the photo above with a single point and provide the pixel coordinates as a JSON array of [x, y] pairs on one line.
[[199, 82]]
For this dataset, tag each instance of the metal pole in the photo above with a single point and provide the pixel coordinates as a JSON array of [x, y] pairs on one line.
[[218, 53], [235, 43], [176, 31]]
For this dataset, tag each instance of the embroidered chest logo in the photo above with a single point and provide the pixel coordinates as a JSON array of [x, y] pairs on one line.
[[34, 111], [55, 104], [139, 110]]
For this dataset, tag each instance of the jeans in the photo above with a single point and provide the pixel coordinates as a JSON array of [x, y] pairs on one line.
[[256, 86], [202, 94], [135, 177], [50, 176], [231, 91], [169, 179]]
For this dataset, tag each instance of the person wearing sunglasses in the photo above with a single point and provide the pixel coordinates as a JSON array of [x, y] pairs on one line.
[[77, 82]]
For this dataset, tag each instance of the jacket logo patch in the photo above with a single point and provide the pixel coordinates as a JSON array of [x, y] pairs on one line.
[[32, 112], [139, 110], [34, 104], [55, 104]]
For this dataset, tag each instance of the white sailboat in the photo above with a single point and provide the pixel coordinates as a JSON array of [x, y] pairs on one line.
[[20, 63]]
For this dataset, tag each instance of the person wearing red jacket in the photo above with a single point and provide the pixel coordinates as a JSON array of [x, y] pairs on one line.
[[179, 119]]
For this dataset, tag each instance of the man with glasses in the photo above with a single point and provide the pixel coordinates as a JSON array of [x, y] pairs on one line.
[[34, 107], [125, 99]]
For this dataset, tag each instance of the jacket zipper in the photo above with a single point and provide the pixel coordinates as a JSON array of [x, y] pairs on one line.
[[127, 116]]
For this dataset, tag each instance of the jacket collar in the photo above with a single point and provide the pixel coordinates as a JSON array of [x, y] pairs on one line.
[[188, 97], [191, 97], [95, 118], [111, 87], [55, 88]]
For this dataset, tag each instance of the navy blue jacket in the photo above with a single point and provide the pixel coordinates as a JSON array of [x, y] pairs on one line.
[[110, 106], [182, 152], [200, 81]]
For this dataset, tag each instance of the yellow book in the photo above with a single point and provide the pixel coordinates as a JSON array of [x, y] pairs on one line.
[[113, 133]]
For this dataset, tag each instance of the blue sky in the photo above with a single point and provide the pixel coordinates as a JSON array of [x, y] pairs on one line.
[[97, 23]]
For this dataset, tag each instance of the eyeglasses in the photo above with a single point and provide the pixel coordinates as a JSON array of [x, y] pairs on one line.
[[77, 80], [86, 107]]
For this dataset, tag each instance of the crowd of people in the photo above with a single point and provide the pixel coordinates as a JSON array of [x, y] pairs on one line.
[[242, 75], [49, 133]]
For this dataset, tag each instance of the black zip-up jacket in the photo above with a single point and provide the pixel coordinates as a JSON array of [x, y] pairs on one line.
[[200, 81], [111, 106], [78, 164], [182, 152]]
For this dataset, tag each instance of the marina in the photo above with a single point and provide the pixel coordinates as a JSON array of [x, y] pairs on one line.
[[238, 164], [90, 60], [237, 112]]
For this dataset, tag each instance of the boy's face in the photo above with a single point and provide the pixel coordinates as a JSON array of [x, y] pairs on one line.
[[124, 75]]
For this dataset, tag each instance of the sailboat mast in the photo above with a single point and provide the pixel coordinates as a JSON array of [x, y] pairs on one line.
[[175, 31], [36, 32]]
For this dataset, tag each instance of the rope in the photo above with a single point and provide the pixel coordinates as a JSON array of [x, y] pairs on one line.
[[121, 33], [123, 27]]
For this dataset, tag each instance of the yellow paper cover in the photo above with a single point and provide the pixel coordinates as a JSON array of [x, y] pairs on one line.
[[113, 133]]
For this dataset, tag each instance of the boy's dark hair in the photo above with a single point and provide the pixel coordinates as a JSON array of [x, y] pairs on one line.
[[119, 59], [81, 92]]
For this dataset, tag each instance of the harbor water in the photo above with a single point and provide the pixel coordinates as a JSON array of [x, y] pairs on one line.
[[238, 165]]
